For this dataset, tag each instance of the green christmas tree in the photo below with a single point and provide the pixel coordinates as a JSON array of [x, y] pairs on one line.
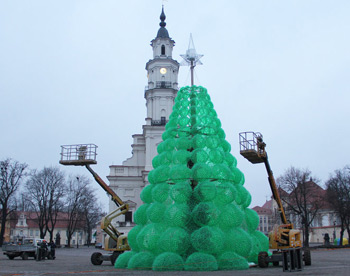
[[195, 214]]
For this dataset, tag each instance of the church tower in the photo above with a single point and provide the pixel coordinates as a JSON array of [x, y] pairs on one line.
[[128, 179], [162, 73]]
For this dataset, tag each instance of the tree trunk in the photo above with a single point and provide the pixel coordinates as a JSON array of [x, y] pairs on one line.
[[341, 235], [89, 238], [89, 230], [3, 223], [306, 240], [42, 234], [51, 235], [69, 237]]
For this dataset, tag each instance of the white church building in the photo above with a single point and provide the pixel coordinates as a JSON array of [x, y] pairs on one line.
[[128, 179]]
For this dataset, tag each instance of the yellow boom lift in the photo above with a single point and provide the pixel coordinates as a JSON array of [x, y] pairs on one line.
[[284, 240], [116, 243]]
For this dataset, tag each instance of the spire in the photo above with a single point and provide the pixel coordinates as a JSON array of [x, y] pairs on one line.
[[162, 18], [162, 32]]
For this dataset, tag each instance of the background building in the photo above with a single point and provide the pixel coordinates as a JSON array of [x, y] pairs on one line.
[[325, 221], [25, 225], [266, 218]]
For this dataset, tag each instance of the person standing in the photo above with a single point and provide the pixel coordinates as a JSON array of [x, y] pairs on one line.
[[52, 246], [43, 250], [38, 252], [326, 239]]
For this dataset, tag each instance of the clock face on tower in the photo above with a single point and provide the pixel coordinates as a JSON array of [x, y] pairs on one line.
[[162, 71]]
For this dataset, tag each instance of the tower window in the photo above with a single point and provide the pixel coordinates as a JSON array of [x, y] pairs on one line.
[[163, 50], [162, 121], [128, 216]]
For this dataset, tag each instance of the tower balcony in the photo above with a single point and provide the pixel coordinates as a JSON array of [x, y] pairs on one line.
[[163, 84], [161, 122], [160, 84]]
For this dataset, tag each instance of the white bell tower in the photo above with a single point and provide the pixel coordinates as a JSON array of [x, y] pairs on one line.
[[128, 179], [162, 73]]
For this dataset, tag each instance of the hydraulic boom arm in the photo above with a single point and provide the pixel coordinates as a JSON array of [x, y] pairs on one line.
[[115, 198], [106, 224], [252, 147], [272, 182]]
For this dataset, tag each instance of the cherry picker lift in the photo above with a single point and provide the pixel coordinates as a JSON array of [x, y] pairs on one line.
[[116, 242], [284, 240]]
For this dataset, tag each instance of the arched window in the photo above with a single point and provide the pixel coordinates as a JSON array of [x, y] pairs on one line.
[[163, 50]]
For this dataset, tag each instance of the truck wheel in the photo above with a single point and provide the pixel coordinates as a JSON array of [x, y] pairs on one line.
[[262, 259], [24, 256], [307, 257], [10, 257], [115, 256], [96, 258]]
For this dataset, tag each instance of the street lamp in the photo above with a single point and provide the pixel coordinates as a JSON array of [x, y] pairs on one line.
[[334, 236]]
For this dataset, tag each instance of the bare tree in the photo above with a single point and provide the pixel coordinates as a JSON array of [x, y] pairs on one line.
[[92, 215], [57, 191], [77, 196], [305, 197], [338, 194], [11, 175], [44, 192]]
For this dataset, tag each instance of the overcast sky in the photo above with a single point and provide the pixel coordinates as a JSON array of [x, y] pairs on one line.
[[74, 72]]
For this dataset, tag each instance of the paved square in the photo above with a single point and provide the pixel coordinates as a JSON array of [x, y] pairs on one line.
[[77, 262]]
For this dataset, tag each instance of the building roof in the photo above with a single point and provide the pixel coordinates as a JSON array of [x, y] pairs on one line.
[[162, 32], [282, 193], [32, 220], [314, 193], [268, 204], [262, 211]]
